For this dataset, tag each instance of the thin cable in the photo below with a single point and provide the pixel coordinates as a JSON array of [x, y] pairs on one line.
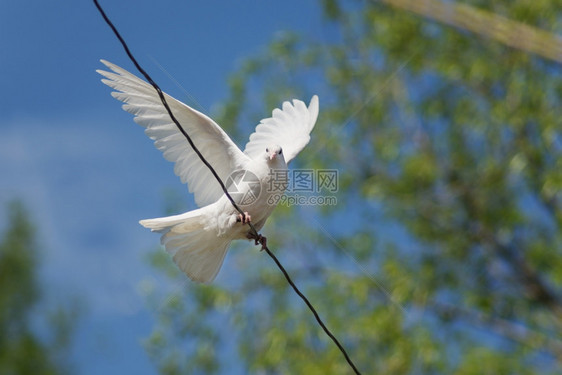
[[256, 236], [165, 103], [334, 339]]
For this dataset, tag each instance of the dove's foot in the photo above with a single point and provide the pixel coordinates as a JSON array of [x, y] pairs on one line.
[[263, 241], [244, 219], [259, 240]]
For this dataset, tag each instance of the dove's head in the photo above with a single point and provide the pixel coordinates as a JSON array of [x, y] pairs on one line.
[[274, 154]]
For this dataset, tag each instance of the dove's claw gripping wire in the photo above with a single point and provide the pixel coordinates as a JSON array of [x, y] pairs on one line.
[[263, 241], [244, 219], [259, 240]]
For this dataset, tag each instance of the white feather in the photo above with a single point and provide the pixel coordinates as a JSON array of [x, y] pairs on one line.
[[289, 128], [198, 240], [191, 241], [142, 101]]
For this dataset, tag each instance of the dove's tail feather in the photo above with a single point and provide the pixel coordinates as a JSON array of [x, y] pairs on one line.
[[185, 222], [199, 254], [195, 249]]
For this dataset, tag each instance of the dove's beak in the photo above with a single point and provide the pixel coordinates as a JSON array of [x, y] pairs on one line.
[[272, 156]]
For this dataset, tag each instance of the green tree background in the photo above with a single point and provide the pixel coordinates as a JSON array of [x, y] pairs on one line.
[[35, 334], [444, 253]]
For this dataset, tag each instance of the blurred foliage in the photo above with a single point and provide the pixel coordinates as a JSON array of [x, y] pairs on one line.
[[23, 314], [444, 253]]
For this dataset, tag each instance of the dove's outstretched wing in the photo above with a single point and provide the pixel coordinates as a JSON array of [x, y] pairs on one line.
[[289, 128], [141, 100]]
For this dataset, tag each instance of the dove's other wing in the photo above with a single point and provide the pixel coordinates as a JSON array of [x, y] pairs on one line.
[[289, 128], [141, 100]]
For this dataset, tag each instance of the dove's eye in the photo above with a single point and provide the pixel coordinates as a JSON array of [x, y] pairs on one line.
[[267, 150], [280, 152]]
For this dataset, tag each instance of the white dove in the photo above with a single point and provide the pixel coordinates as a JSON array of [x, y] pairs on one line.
[[198, 240]]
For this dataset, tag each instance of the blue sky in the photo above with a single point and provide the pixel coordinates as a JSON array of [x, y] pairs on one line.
[[84, 169]]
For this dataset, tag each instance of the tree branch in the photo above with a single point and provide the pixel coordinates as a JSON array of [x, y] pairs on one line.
[[511, 33]]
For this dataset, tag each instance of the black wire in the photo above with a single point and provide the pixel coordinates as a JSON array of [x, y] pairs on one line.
[[258, 238], [334, 339], [165, 103]]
